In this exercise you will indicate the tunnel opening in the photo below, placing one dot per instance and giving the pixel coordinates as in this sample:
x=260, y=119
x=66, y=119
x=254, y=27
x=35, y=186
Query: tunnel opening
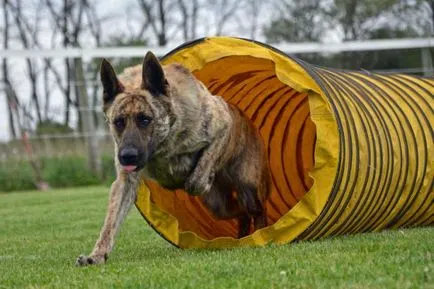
x=281, y=114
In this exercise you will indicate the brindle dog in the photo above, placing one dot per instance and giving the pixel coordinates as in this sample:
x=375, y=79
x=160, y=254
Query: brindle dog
x=168, y=127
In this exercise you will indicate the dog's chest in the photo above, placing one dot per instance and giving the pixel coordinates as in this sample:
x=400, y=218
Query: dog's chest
x=172, y=173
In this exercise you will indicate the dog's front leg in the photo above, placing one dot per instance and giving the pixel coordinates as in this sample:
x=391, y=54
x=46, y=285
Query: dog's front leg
x=201, y=179
x=122, y=196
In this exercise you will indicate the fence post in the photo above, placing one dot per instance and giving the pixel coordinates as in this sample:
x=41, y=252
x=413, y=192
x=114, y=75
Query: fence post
x=427, y=62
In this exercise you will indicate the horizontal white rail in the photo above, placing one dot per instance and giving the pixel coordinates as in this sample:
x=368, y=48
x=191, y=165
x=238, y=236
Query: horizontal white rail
x=368, y=45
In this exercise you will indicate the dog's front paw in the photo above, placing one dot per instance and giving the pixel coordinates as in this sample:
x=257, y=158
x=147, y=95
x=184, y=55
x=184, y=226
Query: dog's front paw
x=197, y=186
x=83, y=260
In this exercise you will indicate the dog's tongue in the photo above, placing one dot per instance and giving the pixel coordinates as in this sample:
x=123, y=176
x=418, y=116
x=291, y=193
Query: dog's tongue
x=129, y=169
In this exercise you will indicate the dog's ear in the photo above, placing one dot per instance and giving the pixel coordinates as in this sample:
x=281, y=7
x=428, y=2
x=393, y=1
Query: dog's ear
x=111, y=85
x=153, y=78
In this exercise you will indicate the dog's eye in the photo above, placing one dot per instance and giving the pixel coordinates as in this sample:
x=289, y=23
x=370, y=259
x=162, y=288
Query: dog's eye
x=143, y=120
x=119, y=123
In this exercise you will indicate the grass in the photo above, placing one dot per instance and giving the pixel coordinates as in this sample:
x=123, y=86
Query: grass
x=41, y=234
x=58, y=172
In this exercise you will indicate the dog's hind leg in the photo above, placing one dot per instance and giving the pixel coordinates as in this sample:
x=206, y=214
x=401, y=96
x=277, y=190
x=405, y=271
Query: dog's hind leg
x=260, y=221
x=244, y=222
x=122, y=196
x=220, y=201
x=250, y=202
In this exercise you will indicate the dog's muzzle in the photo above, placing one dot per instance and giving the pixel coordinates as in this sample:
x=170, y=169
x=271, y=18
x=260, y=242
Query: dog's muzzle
x=130, y=159
x=129, y=156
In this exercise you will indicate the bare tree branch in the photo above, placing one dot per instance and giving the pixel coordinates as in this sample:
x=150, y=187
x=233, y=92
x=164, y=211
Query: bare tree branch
x=184, y=13
x=154, y=18
x=30, y=64
x=226, y=9
x=10, y=94
x=194, y=16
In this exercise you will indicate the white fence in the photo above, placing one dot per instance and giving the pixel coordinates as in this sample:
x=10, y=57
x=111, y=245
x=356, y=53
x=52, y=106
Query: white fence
x=290, y=48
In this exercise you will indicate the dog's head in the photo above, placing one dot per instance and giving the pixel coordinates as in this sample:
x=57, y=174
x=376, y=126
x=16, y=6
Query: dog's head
x=139, y=115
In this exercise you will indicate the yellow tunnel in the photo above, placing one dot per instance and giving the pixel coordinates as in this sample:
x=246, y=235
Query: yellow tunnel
x=349, y=151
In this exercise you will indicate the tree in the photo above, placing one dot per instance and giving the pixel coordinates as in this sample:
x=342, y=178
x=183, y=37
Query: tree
x=155, y=13
x=61, y=23
x=430, y=4
x=75, y=19
x=189, y=14
x=223, y=11
x=254, y=9
x=11, y=98
x=32, y=68
x=298, y=21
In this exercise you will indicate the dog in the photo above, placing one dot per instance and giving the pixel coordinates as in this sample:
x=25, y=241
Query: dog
x=168, y=127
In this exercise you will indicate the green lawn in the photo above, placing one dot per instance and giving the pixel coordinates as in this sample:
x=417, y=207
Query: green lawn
x=41, y=234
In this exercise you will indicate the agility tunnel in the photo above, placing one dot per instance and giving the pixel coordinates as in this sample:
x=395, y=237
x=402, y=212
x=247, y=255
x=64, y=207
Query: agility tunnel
x=349, y=151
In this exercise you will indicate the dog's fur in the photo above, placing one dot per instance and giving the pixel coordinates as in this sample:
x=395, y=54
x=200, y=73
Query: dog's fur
x=168, y=127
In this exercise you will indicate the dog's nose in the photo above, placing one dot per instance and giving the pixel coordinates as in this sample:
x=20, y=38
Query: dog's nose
x=129, y=156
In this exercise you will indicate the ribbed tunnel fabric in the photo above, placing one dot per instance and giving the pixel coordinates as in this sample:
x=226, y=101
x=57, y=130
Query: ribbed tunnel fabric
x=349, y=152
x=385, y=175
